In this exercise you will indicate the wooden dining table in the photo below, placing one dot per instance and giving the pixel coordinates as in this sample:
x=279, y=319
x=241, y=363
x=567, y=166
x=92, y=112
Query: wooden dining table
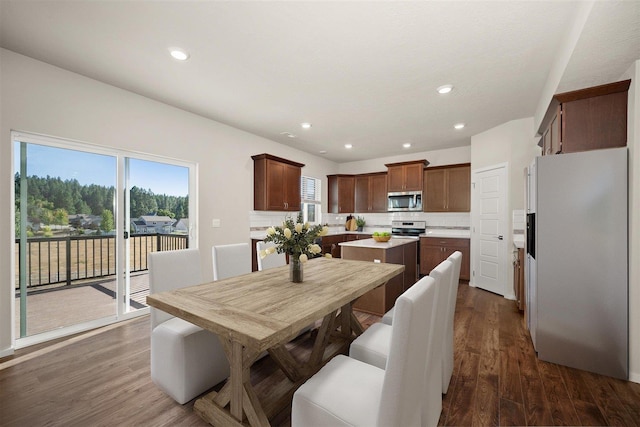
x=263, y=311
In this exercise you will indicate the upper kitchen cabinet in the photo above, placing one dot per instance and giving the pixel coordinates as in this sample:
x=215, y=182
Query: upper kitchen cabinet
x=405, y=176
x=341, y=193
x=586, y=119
x=371, y=192
x=276, y=183
x=447, y=188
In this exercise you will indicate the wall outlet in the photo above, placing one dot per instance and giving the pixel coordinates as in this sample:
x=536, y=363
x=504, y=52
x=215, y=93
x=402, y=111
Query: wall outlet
x=215, y=223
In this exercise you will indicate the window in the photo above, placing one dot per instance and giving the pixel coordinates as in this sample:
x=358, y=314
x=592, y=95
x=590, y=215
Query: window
x=310, y=199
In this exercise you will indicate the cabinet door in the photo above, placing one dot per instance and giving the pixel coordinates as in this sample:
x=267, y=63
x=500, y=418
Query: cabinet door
x=435, y=198
x=275, y=185
x=362, y=198
x=555, y=136
x=458, y=190
x=431, y=254
x=413, y=177
x=395, y=178
x=291, y=188
x=346, y=191
x=378, y=193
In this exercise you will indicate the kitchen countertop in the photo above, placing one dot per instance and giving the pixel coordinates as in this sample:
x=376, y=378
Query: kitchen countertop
x=518, y=241
x=370, y=243
x=446, y=232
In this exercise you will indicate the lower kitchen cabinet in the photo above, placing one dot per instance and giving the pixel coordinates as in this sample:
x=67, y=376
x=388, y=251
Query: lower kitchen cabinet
x=330, y=244
x=404, y=251
x=434, y=250
x=518, y=279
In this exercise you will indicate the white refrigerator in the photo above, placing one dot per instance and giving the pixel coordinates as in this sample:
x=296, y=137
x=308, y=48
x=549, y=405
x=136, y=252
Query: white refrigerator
x=580, y=288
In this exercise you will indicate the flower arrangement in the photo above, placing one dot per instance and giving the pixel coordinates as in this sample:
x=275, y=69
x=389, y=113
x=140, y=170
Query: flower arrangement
x=297, y=240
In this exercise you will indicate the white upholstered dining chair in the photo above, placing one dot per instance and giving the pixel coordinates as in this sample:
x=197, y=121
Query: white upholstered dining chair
x=231, y=260
x=374, y=345
x=447, y=347
x=348, y=392
x=186, y=360
x=270, y=261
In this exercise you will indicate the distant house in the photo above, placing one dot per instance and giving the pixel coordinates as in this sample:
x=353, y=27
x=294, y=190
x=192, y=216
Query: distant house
x=85, y=221
x=181, y=225
x=153, y=224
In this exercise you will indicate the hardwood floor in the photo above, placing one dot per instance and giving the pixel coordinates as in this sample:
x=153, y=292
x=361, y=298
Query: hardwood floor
x=102, y=377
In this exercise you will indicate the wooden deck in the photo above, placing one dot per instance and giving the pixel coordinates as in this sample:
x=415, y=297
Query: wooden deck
x=58, y=307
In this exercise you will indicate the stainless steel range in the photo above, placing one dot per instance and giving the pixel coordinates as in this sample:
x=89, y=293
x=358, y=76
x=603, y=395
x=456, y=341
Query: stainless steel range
x=410, y=229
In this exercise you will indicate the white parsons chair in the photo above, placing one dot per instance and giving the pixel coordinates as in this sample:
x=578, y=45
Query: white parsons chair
x=231, y=260
x=348, y=392
x=270, y=261
x=374, y=345
x=186, y=360
x=447, y=347
x=447, y=359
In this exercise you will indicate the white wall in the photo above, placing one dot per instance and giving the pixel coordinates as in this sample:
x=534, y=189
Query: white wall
x=40, y=98
x=511, y=143
x=633, y=142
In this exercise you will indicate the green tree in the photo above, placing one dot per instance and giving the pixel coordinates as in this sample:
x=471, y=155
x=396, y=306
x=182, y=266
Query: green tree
x=60, y=217
x=166, y=212
x=107, y=221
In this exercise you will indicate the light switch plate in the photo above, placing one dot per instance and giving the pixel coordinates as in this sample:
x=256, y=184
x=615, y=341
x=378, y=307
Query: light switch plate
x=215, y=223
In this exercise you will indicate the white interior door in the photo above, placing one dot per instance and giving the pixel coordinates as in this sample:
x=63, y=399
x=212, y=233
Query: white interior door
x=490, y=240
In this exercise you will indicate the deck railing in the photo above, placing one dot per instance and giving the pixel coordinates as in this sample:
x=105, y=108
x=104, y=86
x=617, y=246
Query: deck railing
x=63, y=260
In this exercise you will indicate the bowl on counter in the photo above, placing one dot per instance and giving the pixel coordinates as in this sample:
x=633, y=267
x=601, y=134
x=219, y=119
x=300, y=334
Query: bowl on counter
x=381, y=238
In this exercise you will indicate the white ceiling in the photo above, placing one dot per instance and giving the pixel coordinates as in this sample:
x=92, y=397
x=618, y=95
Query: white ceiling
x=363, y=73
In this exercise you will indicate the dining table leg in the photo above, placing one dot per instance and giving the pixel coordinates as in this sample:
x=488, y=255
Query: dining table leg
x=237, y=393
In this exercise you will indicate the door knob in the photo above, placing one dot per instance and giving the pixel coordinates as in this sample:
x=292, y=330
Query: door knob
x=500, y=237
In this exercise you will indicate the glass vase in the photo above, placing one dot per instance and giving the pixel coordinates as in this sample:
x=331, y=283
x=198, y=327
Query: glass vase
x=295, y=269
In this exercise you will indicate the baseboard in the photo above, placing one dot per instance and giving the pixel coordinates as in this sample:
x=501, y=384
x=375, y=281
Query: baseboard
x=7, y=352
x=634, y=377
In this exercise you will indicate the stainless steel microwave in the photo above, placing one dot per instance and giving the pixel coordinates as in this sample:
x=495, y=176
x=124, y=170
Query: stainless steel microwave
x=404, y=201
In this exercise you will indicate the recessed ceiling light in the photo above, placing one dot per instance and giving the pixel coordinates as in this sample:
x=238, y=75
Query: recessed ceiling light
x=305, y=125
x=348, y=146
x=323, y=151
x=445, y=89
x=288, y=134
x=458, y=126
x=406, y=145
x=179, y=54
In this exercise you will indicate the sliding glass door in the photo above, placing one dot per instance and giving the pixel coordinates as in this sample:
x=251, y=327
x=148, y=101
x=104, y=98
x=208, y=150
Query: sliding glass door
x=86, y=218
x=157, y=218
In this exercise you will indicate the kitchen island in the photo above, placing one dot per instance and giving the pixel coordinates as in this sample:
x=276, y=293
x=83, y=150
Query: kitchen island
x=398, y=250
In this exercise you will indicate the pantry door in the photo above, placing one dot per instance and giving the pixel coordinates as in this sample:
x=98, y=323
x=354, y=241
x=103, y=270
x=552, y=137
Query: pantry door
x=489, y=239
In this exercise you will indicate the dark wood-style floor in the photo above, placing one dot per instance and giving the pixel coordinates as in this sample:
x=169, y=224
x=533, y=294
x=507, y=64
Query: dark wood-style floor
x=102, y=378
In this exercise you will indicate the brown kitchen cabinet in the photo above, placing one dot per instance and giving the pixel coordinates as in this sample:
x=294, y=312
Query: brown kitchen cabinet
x=380, y=300
x=276, y=183
x=405, y=176
x=447, y=188
x=341, y=193
x=518, y=279
x=331, y=244
x=371, y=193
x=586, y=119
x=434, y=250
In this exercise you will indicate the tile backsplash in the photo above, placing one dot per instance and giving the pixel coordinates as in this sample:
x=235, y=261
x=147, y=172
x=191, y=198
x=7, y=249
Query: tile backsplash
x=260, y=220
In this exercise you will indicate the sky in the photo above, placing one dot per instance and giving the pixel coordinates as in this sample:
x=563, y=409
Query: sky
x=89, y=168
